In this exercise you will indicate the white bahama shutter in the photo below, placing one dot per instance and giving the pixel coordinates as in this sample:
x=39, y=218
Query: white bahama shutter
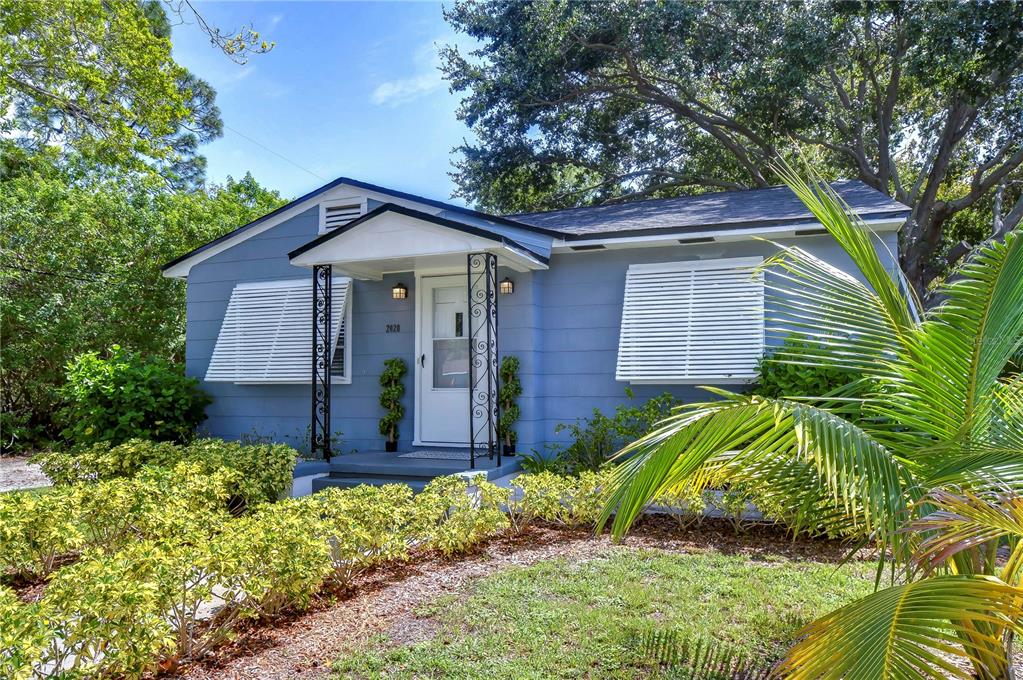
x=267, y=336
x=692, y=322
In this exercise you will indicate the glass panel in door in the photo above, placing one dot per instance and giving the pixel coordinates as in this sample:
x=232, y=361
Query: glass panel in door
x=450, y=338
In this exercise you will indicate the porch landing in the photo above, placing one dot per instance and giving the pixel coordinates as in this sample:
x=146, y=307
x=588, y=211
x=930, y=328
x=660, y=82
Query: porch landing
x=378, y=467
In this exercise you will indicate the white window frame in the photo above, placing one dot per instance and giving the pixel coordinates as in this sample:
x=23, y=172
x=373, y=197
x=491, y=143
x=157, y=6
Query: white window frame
x=346, y=378
x=223, y=374
x=631, y=351
x=361, y=201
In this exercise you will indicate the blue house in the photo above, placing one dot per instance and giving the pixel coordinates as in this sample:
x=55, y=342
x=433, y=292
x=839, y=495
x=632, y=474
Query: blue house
x=291, y=317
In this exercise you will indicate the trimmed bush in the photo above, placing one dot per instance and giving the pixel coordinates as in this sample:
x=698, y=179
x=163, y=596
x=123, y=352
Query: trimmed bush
x=365, y=525
x=775, y=378
x=272, y=560
x=264, y=471
x=24, y=636
x=126, y=397
x=686, y=504
x=571, y=501
x=36, y=530
x=453, y=521
x=107, y=615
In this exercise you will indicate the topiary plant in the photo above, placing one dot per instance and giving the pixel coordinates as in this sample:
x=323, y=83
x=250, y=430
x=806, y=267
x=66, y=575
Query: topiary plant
x=391, y=391
x=510, y=390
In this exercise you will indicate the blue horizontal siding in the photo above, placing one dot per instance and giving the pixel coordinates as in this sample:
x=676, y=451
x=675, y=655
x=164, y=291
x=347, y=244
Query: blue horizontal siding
x=562, y=323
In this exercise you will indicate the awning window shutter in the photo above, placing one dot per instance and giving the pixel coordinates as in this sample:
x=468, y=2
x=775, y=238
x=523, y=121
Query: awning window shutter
x=266, y=336
x=692, y=322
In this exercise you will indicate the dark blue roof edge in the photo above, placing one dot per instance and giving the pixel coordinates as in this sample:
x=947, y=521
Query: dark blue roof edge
x=722, y=226
x=420, y=215
x=369, y=187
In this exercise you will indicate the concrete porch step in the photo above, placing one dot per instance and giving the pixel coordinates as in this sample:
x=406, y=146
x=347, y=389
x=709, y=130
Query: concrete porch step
x=391, y=466
x=345, y=482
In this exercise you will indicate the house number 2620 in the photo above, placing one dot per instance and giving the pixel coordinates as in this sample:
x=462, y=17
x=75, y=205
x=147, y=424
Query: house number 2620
x=392, y=328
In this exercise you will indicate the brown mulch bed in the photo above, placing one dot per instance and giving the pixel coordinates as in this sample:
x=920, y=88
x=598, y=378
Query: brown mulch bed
x=385, y=600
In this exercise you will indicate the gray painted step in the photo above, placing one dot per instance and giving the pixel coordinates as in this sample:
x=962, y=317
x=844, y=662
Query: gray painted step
x=344, y=482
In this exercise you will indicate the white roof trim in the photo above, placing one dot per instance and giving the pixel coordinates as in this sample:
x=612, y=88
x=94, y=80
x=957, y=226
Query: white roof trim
x=396, y=242
x=720, y=235
x=180, y=270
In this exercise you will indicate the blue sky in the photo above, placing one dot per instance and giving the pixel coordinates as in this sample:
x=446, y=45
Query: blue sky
x=351, y=88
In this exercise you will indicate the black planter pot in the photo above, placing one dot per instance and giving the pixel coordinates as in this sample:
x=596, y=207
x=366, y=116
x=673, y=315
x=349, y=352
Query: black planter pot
x=508, y=450
x=390, y=447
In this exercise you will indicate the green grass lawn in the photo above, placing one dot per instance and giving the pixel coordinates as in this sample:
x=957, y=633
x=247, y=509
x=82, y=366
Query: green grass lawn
x=556, y=619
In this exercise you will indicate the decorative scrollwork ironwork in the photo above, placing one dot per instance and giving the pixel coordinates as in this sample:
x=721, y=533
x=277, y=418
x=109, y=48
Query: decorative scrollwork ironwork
x=319, y=431
x=483, y=402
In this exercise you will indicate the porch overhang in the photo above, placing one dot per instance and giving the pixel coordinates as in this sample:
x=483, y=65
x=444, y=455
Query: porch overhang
x=394, y=238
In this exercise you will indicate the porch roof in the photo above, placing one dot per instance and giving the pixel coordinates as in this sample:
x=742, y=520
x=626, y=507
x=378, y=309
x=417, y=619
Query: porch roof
x=393, y=238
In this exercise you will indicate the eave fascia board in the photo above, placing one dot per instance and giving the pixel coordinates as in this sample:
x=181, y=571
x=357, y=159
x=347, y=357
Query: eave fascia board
x=670, y=237
x=179, y=267
x=296, y=256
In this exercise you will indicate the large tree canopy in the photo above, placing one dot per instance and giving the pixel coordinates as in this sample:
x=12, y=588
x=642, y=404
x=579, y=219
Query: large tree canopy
x=80, y=269
x=582, y=102
x=98, y=77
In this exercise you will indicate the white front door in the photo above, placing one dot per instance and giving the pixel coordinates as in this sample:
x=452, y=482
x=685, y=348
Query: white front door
x=442, y=369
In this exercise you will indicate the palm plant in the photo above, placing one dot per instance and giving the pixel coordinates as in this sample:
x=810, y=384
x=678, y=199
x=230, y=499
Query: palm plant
x=937, y=419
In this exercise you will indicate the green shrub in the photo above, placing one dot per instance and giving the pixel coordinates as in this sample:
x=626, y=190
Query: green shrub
x=24, y=636
x=36, y=530
x=106, y=461
x=454, y=521
x=271, y=560
x=108, y=616
x=183, y=503
x=775, y=378
x=365, y=525
x=596, y=438
x=686, y=505
x=568, y=500
x=391, y=391
x=126, y=397
x=508, y=394
x=264, y=471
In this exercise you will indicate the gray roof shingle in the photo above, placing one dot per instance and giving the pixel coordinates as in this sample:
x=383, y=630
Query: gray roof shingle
x=721, y=210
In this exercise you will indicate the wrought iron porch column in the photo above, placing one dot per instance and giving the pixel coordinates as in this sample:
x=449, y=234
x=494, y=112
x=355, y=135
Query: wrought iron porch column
x=484, y=407
x=319, y=430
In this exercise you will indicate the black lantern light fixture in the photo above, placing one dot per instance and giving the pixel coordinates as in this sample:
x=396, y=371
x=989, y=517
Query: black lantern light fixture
x=507, y=286
x=399, y=292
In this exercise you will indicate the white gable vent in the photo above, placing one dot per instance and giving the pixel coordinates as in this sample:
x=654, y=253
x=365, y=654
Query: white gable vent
x=334, y=214
x=267, y=337
x=692, y=322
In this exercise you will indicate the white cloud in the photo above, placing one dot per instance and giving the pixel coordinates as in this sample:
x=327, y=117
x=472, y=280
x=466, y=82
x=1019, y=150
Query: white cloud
x=426, y=79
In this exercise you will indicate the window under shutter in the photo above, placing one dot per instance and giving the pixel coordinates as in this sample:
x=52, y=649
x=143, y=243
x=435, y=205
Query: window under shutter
x=266, y=336
x=691, y=322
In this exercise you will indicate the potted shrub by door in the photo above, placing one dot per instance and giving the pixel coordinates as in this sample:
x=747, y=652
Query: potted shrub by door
x=509, y=391
x=391, y=391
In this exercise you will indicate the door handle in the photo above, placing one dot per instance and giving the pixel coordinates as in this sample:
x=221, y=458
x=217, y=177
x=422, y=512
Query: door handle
x=422, y=360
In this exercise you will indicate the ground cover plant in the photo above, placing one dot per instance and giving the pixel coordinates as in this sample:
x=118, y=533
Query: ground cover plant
x=930, y=470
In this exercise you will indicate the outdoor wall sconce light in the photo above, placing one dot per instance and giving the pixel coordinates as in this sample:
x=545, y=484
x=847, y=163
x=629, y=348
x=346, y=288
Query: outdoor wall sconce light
x=507, y=286
x=399, y=292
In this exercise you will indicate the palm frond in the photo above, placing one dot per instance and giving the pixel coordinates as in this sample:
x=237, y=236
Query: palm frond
x=847, y=324
x=965, y=520
x=857, y=240
x=853, y=471
x=950, y=367
x=909, y=631
x=700, y=658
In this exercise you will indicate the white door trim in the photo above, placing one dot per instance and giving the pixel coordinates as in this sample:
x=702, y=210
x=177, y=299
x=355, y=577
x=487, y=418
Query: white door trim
x=420, y=274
